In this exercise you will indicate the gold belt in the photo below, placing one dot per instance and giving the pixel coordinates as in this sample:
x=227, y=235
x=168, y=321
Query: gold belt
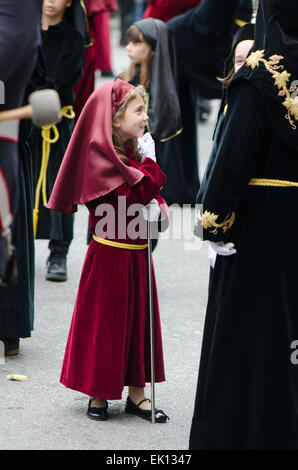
x=272, y=182
x=127, y=246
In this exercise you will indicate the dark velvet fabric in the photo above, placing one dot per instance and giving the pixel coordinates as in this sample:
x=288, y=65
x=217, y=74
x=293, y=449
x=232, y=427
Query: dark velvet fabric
x=17, y=300
x=247, y=385
x=19, y=41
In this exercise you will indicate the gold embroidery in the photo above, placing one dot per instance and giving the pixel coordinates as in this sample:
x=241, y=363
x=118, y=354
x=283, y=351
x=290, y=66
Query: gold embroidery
x=280, y=80
x=209, y=221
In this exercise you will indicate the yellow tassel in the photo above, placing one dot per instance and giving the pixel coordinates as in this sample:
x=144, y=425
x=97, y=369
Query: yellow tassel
x=35, y=220
x=67, y=112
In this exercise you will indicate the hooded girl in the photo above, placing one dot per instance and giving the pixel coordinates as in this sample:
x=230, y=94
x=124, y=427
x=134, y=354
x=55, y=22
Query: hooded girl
x=108, y=345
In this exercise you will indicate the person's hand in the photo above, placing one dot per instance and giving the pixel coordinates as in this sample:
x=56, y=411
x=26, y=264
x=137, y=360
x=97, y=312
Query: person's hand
x=223, y=249
x=146, y=146
x=151, y=212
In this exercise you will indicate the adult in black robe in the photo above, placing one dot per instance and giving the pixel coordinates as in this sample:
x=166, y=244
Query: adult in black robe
x=247, y=388
x=19, y=38
x=59, y=67
x=17, y=300
x=19, y=41
x=203, y=39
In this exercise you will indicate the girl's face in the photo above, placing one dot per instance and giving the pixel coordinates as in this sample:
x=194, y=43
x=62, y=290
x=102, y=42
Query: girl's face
x=241, y=52
x=132, y=123
x=138, y=51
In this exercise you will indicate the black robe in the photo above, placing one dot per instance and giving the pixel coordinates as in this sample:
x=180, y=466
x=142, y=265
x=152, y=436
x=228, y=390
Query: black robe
x=17, y=300
x=60, y=66
x=247, y=393
x=19, y=39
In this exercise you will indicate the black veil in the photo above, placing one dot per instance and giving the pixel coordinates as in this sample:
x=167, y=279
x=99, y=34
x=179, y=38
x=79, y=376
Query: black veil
x=164, y=108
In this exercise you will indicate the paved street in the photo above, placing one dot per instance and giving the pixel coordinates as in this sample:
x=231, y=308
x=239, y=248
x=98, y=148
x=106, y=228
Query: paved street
x=42, y=414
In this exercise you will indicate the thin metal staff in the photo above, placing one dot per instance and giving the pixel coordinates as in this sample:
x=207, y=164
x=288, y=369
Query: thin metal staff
x=151, y=322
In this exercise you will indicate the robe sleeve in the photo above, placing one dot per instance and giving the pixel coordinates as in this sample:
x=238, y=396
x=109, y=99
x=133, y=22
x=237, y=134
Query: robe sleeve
x=147, y=189
x=235, y=163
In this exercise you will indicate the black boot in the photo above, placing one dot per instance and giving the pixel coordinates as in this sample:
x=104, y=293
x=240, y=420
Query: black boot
x=56, y=268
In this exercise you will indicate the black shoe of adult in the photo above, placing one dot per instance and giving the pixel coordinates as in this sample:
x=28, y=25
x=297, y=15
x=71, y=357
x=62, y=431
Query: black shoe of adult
x=56, y=268
x=134, y=409
x=11, y=346
x=99, y=414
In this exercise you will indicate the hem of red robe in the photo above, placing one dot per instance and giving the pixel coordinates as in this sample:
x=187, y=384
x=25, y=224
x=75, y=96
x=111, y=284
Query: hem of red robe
x=117, y=395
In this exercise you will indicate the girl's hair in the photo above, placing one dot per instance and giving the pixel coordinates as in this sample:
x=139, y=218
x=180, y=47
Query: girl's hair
x=133, y=143
x=134, y=35
x=226, y=80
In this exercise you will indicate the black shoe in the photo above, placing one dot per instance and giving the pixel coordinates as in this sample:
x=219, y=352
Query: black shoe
x=11, y=346
x=56, y=271
x=132, y=408
x=99, y=414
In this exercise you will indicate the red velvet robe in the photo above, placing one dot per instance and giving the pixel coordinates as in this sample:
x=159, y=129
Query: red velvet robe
x=165, y=10
x=108, y=345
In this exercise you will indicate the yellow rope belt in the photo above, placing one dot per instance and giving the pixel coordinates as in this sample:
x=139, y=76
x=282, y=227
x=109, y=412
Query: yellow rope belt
x=272, y=182
x=127, y=246
x=67, y=112
x=240, y=22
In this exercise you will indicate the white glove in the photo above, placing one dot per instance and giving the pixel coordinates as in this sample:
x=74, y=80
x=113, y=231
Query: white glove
x=223, y=249
x=211, y=255
x=151, y=211
x=146, y=146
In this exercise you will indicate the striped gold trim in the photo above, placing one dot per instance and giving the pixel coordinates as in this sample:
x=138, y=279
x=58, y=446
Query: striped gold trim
x=272, y=182
x=126, y=246
x=148, y=125
x=83, y=6
x=173, y=135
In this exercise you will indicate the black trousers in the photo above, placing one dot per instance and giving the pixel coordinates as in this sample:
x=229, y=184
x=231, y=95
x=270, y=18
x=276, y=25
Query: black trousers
x=59, y=247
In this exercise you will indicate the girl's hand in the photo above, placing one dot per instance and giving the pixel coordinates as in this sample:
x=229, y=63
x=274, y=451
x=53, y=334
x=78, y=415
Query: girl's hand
x=151, y=212
x=146, y=146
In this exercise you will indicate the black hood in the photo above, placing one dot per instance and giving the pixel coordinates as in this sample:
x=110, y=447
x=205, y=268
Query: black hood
x=272, y=66
x=164, y=108
x=244, y=33
x=76, y=16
